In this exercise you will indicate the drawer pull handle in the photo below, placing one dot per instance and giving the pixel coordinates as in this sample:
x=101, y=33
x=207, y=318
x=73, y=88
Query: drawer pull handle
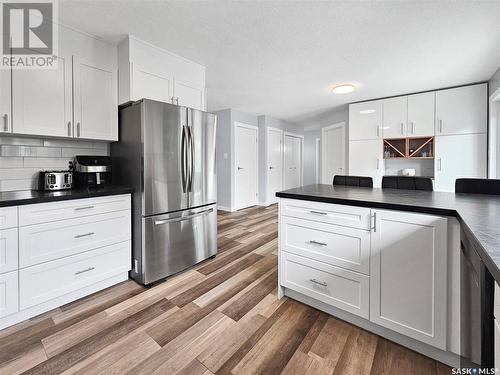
x=322, y=283
x=85, y=270
x=84, y=235
x=84, y=208
x=317, y=212
x=318, y=243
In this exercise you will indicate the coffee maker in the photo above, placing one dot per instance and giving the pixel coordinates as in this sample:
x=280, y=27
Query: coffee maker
x=92, y=171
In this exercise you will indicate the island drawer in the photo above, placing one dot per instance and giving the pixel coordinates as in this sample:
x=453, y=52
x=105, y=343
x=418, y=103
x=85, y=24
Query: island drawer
x=348, y=216
x=333, y=244
x=346, y=290
x=70, y=209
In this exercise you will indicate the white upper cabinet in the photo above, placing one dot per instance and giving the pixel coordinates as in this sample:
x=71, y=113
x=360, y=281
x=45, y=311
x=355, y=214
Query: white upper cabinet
x=462, y=110
x=365, y=120
x=42, y=100
x=395, y=116
x=95, y=98
x=5, y=102
x=149, y=85
x=146, y=71
x=421, y=114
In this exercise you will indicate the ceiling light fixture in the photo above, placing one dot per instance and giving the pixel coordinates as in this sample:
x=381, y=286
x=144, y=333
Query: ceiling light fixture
x=343, y=89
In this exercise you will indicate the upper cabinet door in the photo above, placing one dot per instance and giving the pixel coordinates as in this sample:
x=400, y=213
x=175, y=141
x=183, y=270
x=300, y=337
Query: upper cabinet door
x=395, y=116
x=149, y=85
x=189, y=95
x=462, y=110
x=365, y=120
x=41, y=100
x=96, y=100
x=421, y=114
x=5, y=102
x=365, y=159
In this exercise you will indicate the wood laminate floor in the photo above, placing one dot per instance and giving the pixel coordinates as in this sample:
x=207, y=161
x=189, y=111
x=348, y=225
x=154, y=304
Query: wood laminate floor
x=221, y=317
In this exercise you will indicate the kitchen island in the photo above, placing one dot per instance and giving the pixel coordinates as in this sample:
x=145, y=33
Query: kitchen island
x=386, y=260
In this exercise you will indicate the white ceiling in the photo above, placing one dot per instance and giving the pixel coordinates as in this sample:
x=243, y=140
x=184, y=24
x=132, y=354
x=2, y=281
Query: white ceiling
x=281, y=58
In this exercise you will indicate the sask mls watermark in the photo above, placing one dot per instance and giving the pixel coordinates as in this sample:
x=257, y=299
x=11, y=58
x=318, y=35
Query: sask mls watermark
x=29, y=34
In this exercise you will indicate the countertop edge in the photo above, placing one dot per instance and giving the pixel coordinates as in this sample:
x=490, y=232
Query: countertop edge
x=70, y=195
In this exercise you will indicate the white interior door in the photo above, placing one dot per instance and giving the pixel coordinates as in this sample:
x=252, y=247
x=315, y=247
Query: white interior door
x=293, y=161
x=274, y=163
x=333, y=152
x=245, y=169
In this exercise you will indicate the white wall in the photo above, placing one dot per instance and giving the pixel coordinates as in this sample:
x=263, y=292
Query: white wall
x=21, y=158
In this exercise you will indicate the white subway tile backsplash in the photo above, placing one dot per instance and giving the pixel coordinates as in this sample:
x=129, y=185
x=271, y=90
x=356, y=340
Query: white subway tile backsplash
x=21, y=141
x=21, y=158
x=9, y=162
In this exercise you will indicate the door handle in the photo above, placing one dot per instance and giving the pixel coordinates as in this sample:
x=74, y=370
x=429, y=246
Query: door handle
x=271, y=167
x=78, y=129
x=378, y=163
x=378, y=131
x=439, y=164
x=69, y=128
x=84, y=208
x=440, y=126
x=183, y=158
x=6, y=122
x=374, y=222
x=182, y=218
x=412, y=125
x=84, y=235
x=318, y=213
x=240, y=168
x=191, y=152
x=402, y=130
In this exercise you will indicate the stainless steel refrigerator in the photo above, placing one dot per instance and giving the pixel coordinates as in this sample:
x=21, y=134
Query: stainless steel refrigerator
x=167, y=154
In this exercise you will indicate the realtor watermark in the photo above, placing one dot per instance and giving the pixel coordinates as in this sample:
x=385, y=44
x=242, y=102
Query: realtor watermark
x=29, y=34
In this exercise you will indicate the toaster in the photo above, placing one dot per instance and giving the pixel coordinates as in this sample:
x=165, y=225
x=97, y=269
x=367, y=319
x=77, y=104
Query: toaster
x=55, y=180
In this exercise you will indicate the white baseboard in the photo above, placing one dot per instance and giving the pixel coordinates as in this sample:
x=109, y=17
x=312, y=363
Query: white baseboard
x=226, y=209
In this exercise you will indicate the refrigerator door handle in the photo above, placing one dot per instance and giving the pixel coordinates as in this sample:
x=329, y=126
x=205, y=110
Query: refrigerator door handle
x=183, y=158
x=191, y=156
x=182, y=218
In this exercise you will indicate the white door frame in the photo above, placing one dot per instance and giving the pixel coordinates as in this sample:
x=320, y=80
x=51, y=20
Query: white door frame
x=494, y=136
x=301, y=138
x=234, y=166
x=270, y=199
x=317, y=143
x=323, y=149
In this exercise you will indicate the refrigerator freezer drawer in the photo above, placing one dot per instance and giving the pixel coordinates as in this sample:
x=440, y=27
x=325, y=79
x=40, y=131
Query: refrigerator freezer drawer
x=176, y=241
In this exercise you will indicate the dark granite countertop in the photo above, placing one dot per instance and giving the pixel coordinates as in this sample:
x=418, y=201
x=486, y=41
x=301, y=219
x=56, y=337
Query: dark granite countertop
x=478, y=214
x=17, y=198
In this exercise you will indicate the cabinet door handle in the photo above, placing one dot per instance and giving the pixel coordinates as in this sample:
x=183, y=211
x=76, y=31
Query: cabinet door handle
x=317, y=213
x=374, y=222
x=78, y=129
x=84, y=235
x=313, y=242
x=440, y=126
x=378, y=163
x=378, y=131
x=402, y=130
x=85, y=270
x=322, y=283
x=439, y=164
x=177, y=100
x=84, y=208
x=6, y=122
x=69, y=128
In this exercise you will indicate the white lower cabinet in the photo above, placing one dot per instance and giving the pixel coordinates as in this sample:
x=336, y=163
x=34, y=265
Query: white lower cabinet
x=58, y=252
x=46, y=281
x=408, y=275
x=8, y=294
x=335, y=286
x=393, y=273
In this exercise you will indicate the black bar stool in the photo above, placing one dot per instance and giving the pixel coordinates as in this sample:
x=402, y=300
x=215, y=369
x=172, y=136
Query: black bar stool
x=477, y=186
x=407, y=183
x=353, y=181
